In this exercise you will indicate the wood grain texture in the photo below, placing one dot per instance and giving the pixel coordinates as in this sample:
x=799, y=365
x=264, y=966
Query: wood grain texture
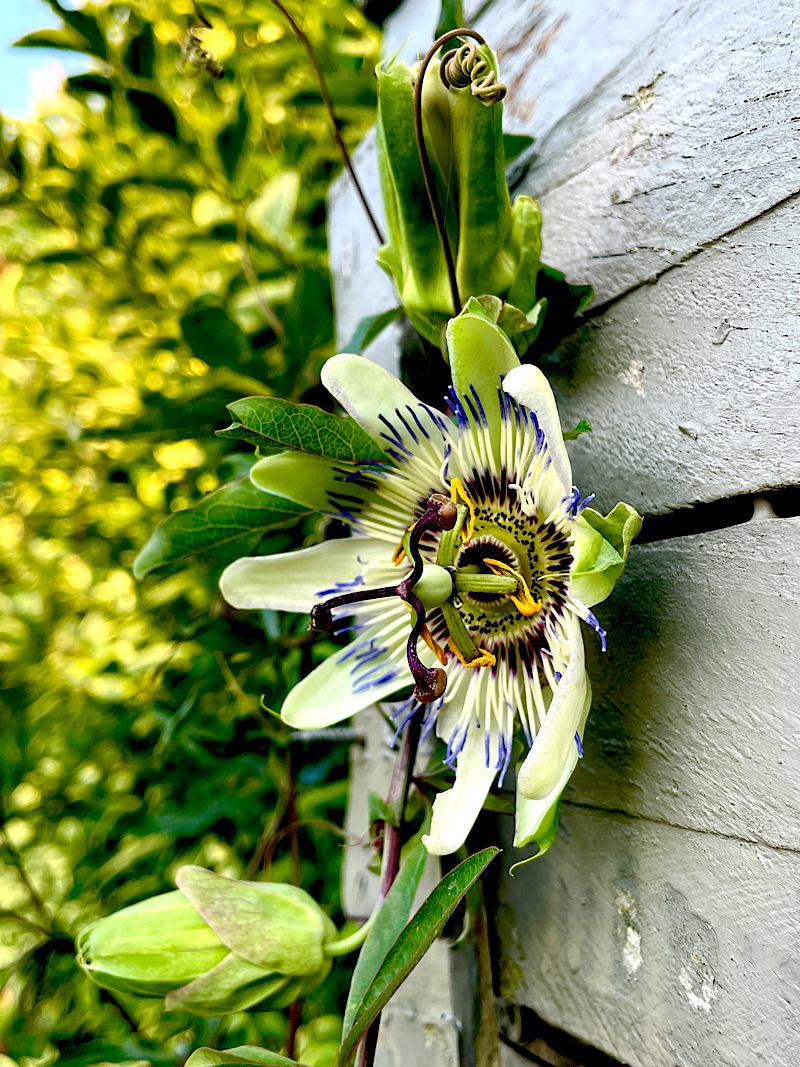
x=360, y=287
x=421, y=1023
x=661, y=946
x=694, y=134
x=691, y=385
x=694, y=718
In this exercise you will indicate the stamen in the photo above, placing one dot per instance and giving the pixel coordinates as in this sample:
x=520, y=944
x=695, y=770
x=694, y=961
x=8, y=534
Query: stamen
x=486, y=659
x=457, y=490
x=522, y=598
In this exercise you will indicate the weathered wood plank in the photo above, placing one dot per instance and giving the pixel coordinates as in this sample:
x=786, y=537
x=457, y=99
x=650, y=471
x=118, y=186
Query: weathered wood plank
x=360, y=287
x=658, y=945
x=691, y=385
x=695, y=134
x=543, y=54
x=421, y=1022
x=694, y=718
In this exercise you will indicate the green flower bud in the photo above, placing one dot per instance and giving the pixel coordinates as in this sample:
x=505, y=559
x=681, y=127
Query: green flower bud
x=214, y=946
x=496, y=247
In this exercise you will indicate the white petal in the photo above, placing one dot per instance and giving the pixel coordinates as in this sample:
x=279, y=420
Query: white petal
x=295, y=581
x=371, y=395
x=337, y=689
x=308, y=480
x=531, y=814
x=553, y=755
x=528, y=386
x=455, y=811
x=480, y=355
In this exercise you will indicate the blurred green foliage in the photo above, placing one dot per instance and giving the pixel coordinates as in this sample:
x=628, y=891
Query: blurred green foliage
x=163, y=237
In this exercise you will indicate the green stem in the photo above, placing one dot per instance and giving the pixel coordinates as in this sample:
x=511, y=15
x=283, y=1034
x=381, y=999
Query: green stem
x=352, y=942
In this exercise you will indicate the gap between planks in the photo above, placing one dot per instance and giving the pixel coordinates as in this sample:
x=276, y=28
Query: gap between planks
x=681, y=826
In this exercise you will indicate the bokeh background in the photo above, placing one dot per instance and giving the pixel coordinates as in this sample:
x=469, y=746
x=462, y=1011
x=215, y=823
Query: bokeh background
x=162, y=253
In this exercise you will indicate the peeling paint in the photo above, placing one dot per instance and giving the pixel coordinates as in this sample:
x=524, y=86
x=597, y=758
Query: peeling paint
x=632, y=948
x=701, y=1001
x=634, y=376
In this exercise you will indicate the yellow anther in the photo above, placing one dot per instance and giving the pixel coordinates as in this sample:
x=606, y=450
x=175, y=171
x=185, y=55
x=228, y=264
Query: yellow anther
x=486, y=659
x=431, y=642
x=521, y=598
x=457, y=490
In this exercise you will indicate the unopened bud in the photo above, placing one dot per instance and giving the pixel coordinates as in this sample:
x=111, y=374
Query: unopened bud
x=212, y=947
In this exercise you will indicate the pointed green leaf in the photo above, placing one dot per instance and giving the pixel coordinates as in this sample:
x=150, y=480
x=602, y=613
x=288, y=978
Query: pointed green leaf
x=271, y=214
x=231, y=140
x=211, y=1057
x=153, y=113
x=214, y=337
x=227, y=524
x=389, y=921
x=451, y=17
x=140, y=55
x=271, y=422
x=369, y=328
x=573, y=435
x=514, y=144
x=379, y=811
x=63, y=40
x=88, y=83
x=411, y=944
x=84, y=24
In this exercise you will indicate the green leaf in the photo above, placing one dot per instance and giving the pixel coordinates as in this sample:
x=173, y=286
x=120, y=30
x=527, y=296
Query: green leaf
x=271, y=214
x=211, y=1057
x=266, y=420
x=140, y=56
x=227, y=523
x=451, y=17
x=379, y=811
x=308, y=318
x=573, y=435
x=369, y=328
x=84, y=24
x=63, y=40
x=410, y=946
x=514, y=144
x=153, y=113
x=214, y=337
x=88, y=83
x=231, y=140
x=390, y=920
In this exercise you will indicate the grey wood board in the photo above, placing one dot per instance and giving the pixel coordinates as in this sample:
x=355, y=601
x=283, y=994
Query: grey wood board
x=691, y=385
x=660, y=946
x=543, y=55
x=360, y=286
x=421, y=1022
x=694, y=717
x=696, y=133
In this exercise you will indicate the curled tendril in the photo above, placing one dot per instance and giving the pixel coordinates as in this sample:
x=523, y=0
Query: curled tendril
x=465, y=67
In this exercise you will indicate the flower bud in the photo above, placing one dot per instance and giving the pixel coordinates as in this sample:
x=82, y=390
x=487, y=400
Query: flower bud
x=496, y=247
x=212, y=947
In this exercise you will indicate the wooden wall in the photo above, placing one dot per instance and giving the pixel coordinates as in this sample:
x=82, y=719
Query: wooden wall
x=663, y=928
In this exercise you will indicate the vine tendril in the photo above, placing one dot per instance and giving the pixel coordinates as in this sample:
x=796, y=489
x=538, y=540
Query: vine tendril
x=427, y=170
x=465, y=67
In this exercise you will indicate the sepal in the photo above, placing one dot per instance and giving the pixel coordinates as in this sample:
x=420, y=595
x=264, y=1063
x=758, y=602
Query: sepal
x=601, y=549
